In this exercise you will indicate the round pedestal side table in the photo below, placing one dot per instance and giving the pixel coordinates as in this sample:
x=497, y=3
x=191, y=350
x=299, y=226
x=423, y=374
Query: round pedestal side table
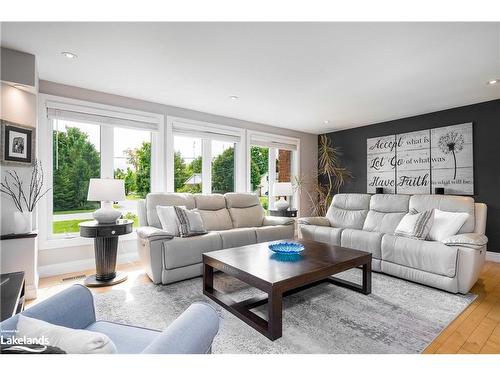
x=105, y=246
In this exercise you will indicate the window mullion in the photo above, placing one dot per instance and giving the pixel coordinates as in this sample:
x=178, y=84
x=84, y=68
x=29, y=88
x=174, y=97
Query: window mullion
x=107, y=149
x=273, y=154
x=206, y=166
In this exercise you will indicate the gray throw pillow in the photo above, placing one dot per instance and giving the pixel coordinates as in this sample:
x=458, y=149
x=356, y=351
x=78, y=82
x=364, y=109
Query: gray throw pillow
x=415, y=224
x=190, y=222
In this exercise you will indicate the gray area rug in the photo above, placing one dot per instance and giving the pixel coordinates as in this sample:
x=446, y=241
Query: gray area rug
x=398, y=317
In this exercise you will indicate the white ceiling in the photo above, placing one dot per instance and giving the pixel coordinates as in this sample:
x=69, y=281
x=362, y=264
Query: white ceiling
x=292, y=75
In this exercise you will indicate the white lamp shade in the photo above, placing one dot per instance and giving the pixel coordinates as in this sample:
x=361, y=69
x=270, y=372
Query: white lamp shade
x=106, y=189
x=282, y=189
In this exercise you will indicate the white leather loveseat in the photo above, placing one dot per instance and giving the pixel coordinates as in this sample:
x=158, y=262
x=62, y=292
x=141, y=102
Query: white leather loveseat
x=232, y=220
x=367, y=222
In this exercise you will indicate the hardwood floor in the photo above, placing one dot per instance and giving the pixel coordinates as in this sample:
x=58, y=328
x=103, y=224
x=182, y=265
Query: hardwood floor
x=476, y=330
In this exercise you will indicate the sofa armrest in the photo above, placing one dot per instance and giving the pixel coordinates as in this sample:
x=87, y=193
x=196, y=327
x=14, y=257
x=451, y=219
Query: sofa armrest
x=191, y=333
x=153, y=233
x=71, y=308
x=277, y=220
x=317, y=220
x=471, y=240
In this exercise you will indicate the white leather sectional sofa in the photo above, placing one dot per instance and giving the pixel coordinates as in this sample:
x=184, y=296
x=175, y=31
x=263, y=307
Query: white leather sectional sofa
x=232, y=220
x=367, y=222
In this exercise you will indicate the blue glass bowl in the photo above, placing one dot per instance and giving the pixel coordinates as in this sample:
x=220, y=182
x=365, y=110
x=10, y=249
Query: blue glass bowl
x=286, y=247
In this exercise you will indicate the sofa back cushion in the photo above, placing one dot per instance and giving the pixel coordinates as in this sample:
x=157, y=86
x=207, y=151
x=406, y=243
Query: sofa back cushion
x=245, y=209
x=386, y=212
x=450, y=203
x=213, y=211
x=165, y=199
x=348, y=210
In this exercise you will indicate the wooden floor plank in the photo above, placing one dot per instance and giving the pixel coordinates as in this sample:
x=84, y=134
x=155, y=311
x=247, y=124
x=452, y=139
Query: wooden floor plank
x=481, y=334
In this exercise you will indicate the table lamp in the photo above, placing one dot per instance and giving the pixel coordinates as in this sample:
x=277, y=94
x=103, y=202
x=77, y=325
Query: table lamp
x=282, y=189
x=106, y=190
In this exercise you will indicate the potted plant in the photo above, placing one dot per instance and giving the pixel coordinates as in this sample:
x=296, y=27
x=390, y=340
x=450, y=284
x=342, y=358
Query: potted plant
x=25, y=201
x=329, y=179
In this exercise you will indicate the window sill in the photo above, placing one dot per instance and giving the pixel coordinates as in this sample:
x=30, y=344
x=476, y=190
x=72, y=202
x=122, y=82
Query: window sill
x=61, y=241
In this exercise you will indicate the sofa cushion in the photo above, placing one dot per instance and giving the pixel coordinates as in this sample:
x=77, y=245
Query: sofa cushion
x=320, y=233
x=340, y=218
x=386, y=211
x=351, y=201
x=382, y=222
x=211, y=202
x=241, y=200
x=245, y=210
x=348, y=210
x=127, y=339
x=430, y=256
x=247, y=217
x=362, y=240
x=275, y=232
x=180, y=252
x=216, y=219
x=390, y=202
x=450, y=203
x=165, y=199
x=238, y=237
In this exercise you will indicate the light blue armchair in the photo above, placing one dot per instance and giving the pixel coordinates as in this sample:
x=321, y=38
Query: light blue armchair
x=191, y=333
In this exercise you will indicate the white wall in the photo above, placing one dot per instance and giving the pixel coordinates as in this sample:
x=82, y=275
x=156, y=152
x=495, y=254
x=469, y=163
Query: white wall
x=17, y=106
x=76, y=258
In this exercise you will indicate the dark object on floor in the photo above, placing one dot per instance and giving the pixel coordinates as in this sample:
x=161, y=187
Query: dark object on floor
x=105, y=246
x=12, y=289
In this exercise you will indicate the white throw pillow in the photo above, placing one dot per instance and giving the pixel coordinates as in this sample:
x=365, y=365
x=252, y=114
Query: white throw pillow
x=446, y=224
x=72, y=341
x=415, y=225
x=168, y=219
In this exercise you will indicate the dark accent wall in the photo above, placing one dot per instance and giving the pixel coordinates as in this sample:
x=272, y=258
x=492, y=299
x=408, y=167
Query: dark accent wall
x=486, y=133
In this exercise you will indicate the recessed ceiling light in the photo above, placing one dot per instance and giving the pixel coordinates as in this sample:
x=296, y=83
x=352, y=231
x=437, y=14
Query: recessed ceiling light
x=493, y=81
x=326, y=122
x=69, y=55
x=234, y=97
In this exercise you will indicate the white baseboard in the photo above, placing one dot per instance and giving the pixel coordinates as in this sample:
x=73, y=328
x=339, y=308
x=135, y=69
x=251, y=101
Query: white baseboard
x=81, y=265
x=493, y=257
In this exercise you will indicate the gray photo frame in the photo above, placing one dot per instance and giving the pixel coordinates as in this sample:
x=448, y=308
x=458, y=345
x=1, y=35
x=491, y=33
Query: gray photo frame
x=18, y=144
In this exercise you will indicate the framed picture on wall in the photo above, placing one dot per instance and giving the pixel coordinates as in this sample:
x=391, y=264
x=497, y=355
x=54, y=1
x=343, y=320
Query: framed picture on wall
x=18, y=144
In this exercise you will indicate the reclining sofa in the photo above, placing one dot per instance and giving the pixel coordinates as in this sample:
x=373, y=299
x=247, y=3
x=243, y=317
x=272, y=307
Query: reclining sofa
x=367, y=222
x=232, y=220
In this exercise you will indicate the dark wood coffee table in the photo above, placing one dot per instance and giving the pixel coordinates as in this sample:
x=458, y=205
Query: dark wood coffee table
x=259, y=267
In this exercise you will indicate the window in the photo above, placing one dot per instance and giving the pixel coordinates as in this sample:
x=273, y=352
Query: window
x=272, y=159
x=82, y=140
x=222, y=167
x=132, y=163
x=259, y=173
x=76, y=159
x=205, y=157
x=187, y=165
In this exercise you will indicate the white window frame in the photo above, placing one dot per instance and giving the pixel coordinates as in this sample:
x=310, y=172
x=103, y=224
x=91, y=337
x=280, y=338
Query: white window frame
x=273, y=157
x=207, y=132
x=48, y=240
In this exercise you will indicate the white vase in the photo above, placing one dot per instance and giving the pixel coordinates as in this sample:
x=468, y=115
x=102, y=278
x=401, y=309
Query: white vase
x=23, y=222
x=281, y=204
